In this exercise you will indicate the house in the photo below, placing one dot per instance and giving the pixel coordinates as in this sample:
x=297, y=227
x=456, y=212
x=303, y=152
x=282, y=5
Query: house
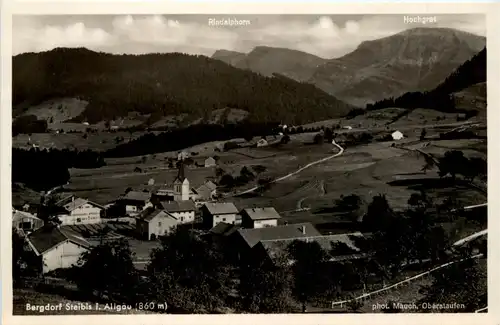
x=262, y=143
x=56, y=248
x=206, y=192
x=223, y=229
x=210, y=162
x=397, y=135
x=339, y=247
x=152, y=223
x=182, y=155
x=135, y=202
x=251, y=237
x=25, y=221
x=77, y=211
x=259, y=217
x=222, y=235
x=184, y=211
x=214, y=213
x=243, y=241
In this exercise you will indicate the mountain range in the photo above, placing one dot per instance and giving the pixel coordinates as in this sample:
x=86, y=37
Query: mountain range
x=271, y=84
x=417, y=59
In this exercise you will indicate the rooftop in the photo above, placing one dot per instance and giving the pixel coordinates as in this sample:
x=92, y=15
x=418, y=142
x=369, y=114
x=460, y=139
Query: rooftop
x=265, y=213
x=151, y=213
x=221, y=208
x=72, y=202
x=137, y=196
x=286, y=232
x=178, y=206
x=21, y=214
x=48, y=237
x=339, y=247
x=223, y=229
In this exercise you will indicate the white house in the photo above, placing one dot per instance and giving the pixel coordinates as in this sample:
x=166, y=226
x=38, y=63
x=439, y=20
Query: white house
x=152, y=223
x=56, y=248
x=214, y=213
x=262, y=143
x=210, y=162
x=25, y=221
x=259, y=217
x=183, y=211
x=182, y=155
x=77, y=211
x=397, y=135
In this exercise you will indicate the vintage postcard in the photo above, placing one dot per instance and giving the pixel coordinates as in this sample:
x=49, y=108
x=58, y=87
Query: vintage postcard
x=327, y=163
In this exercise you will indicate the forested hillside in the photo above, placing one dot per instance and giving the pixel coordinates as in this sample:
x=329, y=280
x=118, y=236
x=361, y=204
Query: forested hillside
x=161, y=85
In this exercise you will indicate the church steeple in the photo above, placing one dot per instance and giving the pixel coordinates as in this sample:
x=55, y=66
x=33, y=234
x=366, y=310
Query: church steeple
x=181, y=176
x=181, y=185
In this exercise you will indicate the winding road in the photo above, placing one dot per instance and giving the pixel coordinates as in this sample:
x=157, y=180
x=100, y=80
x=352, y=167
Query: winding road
x=253, y=189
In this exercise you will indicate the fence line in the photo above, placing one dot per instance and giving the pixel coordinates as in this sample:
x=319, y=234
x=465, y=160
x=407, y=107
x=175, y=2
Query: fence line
x=418, y=276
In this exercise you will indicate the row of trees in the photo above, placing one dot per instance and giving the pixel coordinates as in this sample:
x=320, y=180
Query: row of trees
x=28, y=124
x=182, y=138
x=43, y=169
x=454, y=163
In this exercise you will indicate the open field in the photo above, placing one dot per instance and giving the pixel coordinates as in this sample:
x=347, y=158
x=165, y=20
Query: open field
x=365, y=170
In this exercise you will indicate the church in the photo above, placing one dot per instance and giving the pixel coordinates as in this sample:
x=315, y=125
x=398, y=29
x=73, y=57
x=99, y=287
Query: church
x=181, y=190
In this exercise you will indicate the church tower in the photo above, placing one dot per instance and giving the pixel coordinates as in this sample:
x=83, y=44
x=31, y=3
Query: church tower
x=181, y=185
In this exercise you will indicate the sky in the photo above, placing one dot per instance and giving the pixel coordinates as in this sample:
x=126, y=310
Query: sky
x=325, y=36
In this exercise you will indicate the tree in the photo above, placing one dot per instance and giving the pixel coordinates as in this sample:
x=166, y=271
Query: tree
x=349, y=203
x=219, y=171
x=264, y=184
x=24, y=261
x=266, y=287
x=379, y=214
x=423, y=133
x=318, y=138
x=453, y=163
x=227, y=180
x=311, y=274
x=189, y=274
x=462, y=282
x=328, y=134
x=419, y=200
x=476, y=167
x=259, y=169
x=285, y=139
x=246, y=174
x=107, y=269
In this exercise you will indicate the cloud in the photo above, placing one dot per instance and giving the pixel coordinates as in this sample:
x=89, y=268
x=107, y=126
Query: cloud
x=324, y=36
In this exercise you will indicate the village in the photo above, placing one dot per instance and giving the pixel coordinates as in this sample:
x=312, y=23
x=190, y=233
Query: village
x=80, y=223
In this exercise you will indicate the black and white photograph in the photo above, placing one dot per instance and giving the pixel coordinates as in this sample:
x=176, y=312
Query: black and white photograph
x=249, y=164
